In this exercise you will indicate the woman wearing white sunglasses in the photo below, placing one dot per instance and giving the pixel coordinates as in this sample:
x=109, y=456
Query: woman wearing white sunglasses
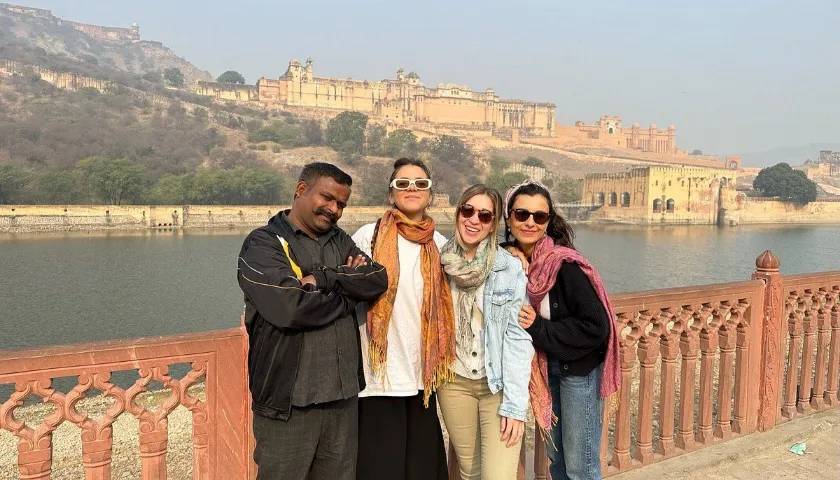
x=408, y=339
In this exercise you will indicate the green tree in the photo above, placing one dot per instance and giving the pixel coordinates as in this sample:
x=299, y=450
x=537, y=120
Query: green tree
x=503, y=181
x=498, y=164
x=279, y=132
x=566, y=189
x=174, y=77
x=231, y=76
x=12, y=180
x=782, y=181
x=451, y=150
x=346, y=132
x=451, y=161
x=312, y=132
x=401, y=143
x=57, y=187
x=375, y=139
x=171, y=190
x=533, y=162
x=153, y=77
x=113, y=181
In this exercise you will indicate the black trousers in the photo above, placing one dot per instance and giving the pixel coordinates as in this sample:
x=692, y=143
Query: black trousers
x=317, y=443
x=399, y=439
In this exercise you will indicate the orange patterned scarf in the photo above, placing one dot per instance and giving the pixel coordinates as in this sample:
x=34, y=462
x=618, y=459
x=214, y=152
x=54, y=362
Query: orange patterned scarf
x=436, y=317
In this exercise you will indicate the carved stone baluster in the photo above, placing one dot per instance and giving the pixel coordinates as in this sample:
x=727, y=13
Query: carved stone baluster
x=201, y=425
x=669, y=347
x=743, y=375
x=648, y=354
x=153, y=424
x=621, y=455
x=803, y=403
x=795, y=320
x=831, y=398
x=823, y=313
x=727, y=339
x=34, y=445
x=97, y=435
x=689, y=348
x=708, y=353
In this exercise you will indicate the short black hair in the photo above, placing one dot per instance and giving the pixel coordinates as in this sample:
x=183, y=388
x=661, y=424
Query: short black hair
x=312, y=171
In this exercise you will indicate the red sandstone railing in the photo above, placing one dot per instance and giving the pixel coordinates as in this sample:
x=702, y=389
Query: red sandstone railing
x=699, y=365
x=220, y=421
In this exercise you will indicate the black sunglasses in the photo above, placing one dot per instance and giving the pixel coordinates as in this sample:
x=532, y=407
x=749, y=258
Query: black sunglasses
x=521, y=215
x=484, y=216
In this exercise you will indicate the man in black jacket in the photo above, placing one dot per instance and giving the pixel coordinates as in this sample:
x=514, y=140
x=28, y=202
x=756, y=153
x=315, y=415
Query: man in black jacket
x=302, y=276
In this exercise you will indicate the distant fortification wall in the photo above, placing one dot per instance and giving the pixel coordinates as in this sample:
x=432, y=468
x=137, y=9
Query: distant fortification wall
x=63, y=80
x=750, y=210
x=47, y=218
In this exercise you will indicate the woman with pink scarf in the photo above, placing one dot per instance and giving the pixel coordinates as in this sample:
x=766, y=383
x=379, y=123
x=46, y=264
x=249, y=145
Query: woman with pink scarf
x=573, y=329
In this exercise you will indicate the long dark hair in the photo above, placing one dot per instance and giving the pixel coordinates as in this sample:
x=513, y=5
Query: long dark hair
x=558, y=229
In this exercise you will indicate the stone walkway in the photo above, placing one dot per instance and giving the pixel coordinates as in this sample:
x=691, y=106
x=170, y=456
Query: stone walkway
x=763, y=456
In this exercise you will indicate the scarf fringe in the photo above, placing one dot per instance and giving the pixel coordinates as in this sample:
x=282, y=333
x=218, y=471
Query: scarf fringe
x=377, y=355
x=441, y=375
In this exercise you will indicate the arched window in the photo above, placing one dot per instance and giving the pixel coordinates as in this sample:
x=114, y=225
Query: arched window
x=625, y=199
x=610, y=130
x=599, y=198
x=669, y=205
x=657, y=205
x=613, y=199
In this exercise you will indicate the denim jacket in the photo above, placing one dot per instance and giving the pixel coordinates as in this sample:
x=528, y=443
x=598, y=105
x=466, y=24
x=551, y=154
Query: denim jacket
x=507, y=346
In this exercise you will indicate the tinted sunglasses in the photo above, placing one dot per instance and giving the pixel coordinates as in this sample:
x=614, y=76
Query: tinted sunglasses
x=484, y=216
x=406, y=183
x=521, y=215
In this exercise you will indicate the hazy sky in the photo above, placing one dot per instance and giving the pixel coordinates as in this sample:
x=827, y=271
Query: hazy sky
x=732, y=76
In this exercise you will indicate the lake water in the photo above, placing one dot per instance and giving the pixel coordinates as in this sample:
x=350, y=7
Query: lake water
x=71, y=287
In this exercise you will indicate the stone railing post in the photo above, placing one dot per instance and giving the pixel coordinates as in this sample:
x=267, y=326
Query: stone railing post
x=772, y=368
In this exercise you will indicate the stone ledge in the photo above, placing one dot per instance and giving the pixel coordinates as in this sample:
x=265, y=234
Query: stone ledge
x=739, y=450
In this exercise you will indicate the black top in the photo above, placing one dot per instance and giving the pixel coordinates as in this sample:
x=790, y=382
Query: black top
x=576, y=335
x=303, y=340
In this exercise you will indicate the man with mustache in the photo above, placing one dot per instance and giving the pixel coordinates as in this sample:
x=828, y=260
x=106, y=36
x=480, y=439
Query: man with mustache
x=302, y=277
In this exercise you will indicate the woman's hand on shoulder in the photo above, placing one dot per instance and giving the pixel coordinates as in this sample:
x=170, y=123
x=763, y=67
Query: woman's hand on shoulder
x=516, y=252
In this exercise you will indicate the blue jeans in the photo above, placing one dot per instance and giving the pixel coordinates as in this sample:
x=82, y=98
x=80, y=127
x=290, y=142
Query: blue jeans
x=577, y=436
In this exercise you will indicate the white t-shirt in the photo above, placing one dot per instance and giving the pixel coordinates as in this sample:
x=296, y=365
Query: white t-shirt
x=545, y=308
x=404, y=368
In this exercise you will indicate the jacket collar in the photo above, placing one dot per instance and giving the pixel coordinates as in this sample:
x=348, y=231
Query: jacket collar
x=502, y=259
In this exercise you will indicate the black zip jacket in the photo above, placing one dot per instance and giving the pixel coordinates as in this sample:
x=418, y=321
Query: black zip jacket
x=576, y=335
x=279, y=309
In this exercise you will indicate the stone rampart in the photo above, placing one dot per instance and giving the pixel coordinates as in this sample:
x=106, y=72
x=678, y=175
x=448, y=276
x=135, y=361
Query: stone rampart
x=46, y=218
x=751, y=210
x=63, y=80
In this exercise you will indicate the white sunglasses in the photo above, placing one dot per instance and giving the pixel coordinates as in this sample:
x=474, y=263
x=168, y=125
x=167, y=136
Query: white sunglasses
x=406, y=183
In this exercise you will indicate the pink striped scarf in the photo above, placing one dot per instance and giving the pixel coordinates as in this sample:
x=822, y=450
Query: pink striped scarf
x=546, y=260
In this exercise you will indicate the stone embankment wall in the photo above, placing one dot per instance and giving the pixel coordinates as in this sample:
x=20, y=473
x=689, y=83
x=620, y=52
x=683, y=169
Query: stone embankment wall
x=45, y=218
x=747, y=210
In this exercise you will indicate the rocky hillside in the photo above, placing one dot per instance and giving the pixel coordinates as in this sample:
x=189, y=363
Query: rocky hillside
x=40, y=38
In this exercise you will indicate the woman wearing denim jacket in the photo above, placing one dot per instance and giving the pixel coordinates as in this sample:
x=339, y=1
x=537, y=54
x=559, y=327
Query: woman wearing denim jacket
x=485, y=405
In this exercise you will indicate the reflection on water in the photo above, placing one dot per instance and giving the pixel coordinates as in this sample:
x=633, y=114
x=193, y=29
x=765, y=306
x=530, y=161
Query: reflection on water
x=84, y=286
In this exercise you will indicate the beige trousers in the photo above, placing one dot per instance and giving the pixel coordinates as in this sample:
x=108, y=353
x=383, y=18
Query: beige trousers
x=471, y=415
